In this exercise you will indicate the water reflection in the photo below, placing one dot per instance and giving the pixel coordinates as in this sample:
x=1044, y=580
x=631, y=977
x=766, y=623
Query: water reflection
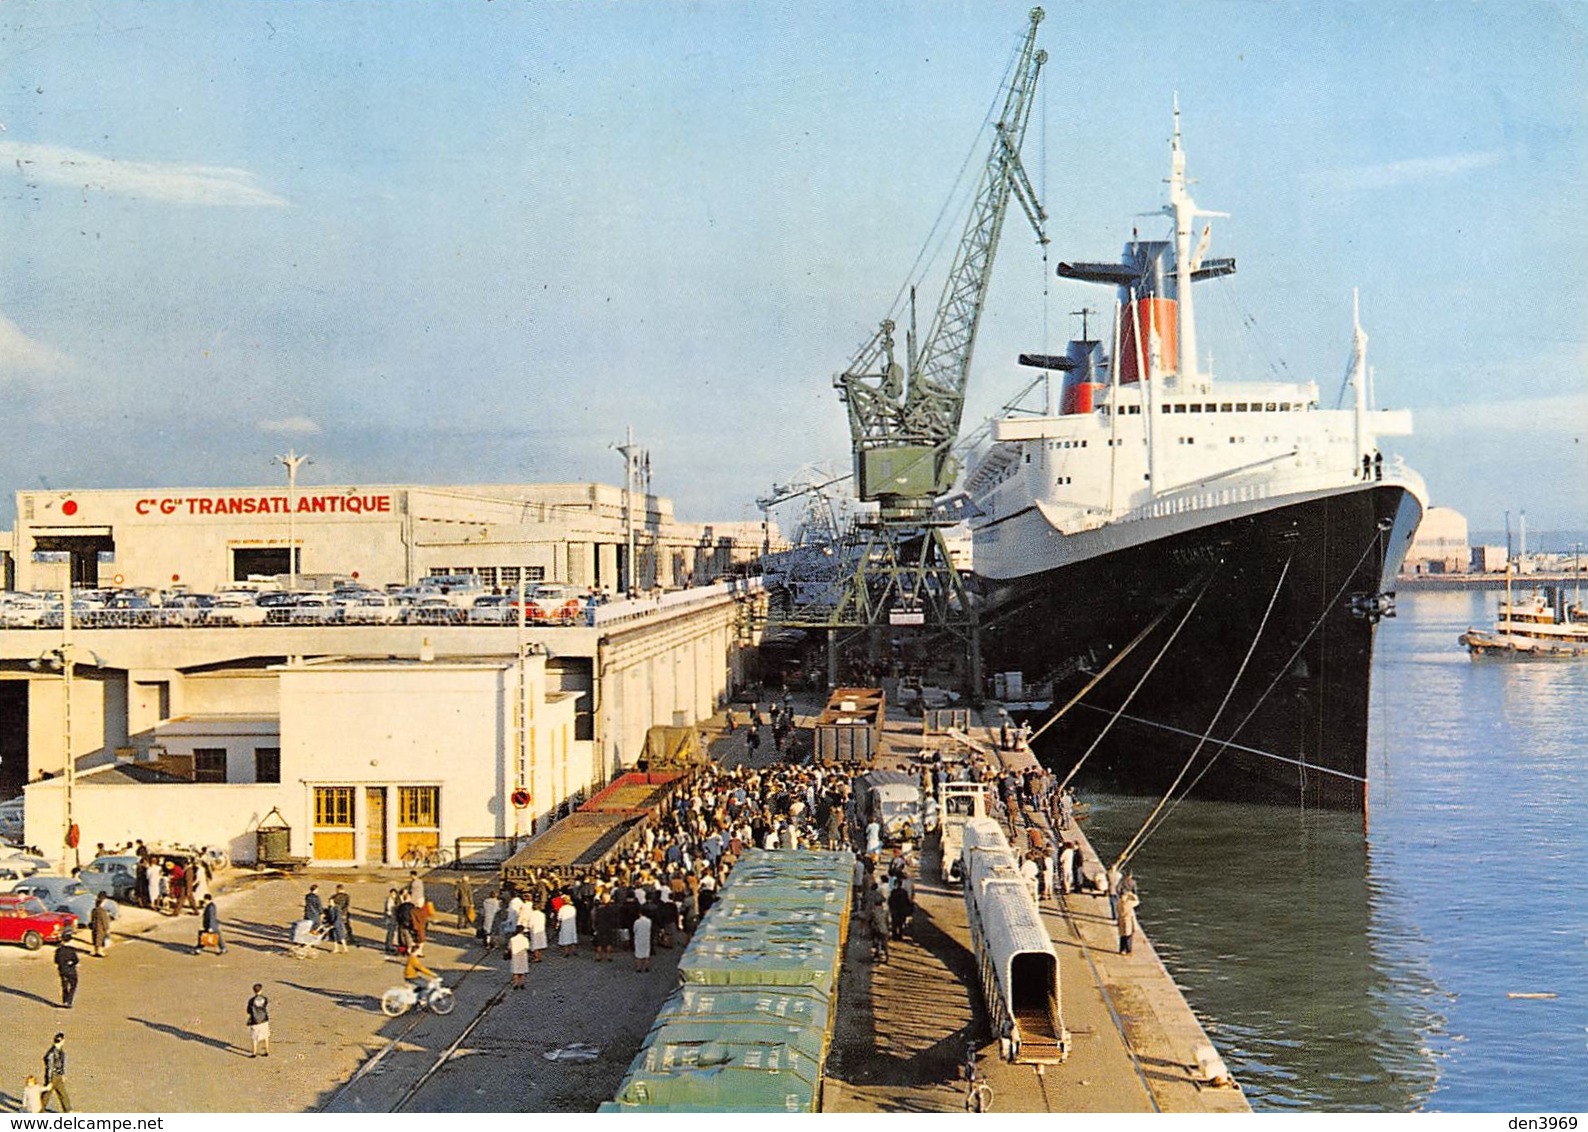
x=1339, y=969
x=1289, y=950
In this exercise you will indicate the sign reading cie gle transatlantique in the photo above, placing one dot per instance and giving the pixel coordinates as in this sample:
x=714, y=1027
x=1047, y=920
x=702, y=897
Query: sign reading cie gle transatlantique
x=200, y=505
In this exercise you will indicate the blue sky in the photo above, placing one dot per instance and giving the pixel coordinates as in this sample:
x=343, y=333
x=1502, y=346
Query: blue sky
x=472, y=242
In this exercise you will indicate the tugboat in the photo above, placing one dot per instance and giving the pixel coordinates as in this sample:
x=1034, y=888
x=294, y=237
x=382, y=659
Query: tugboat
x=1540, y=626
x=1198, y=564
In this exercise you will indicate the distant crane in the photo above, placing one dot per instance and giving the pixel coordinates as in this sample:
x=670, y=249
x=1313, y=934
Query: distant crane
x=904, y=419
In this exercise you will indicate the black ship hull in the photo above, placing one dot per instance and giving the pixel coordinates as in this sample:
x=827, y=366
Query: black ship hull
x=1282, y=614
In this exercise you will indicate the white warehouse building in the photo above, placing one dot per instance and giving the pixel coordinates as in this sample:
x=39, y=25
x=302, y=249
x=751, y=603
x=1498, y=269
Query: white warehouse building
x=202, y=539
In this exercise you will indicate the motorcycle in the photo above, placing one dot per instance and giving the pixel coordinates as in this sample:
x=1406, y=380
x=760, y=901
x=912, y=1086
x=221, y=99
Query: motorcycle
x=433, y=997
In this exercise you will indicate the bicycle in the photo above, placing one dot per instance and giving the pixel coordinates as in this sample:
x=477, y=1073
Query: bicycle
x=433, y=997
x=978, y=1093
x=421, y=857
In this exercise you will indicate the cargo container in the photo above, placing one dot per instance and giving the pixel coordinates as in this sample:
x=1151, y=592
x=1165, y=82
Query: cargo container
x=849, y=729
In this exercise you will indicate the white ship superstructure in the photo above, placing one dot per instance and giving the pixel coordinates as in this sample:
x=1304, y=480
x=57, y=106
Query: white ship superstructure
x=1145, y=475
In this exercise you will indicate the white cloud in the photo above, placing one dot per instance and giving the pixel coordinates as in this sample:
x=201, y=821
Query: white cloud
x=152, y=180
x=290, y=426
x=1392, y=174
x=20, y=354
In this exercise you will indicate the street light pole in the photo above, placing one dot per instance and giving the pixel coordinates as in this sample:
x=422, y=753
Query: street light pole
x=292, y=462
x=67, y=664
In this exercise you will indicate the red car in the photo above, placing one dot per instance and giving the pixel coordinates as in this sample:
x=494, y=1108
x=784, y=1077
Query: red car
x=25, y=920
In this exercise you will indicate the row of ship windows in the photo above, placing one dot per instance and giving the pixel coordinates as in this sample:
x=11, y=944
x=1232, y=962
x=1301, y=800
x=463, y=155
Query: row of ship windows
x=1217, y=407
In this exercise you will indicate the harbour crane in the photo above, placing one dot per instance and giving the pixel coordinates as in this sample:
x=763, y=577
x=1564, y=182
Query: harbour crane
x=904, y=418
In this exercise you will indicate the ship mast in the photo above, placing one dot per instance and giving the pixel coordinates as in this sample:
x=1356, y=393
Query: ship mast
x=1359, y=377
x=1183, y=210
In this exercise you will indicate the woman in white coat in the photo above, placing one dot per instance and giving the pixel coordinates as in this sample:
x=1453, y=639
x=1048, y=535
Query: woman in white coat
x=535, y=918
x=642, y=943
x=567, y=927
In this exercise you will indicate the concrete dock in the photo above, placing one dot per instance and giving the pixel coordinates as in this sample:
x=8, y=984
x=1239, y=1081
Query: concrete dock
x=899, y=1044
x=904, y=1026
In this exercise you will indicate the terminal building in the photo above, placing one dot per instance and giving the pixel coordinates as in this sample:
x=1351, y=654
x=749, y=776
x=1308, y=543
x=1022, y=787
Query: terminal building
x=203, y=539
x=365, y=740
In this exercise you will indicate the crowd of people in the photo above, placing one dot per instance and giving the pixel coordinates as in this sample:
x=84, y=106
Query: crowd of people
x=655, y=892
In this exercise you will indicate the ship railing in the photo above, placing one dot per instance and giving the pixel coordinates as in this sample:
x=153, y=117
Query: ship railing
x=1192, y=500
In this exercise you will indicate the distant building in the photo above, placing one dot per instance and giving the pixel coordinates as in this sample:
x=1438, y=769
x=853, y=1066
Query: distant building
x=1441, y=544
x=1488, y=559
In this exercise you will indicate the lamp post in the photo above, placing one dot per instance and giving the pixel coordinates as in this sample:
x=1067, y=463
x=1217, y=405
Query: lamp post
x=292, y=462
x=68, y=663
x=630, y=464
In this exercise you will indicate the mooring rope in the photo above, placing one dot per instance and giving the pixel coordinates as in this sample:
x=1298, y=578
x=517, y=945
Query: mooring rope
x=1107, y=668
x=1145, y=832
x=1143, y=679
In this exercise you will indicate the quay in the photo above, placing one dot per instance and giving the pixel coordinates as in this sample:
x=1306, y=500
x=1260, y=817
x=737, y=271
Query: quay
x=903, y=1026
x=899, y=1040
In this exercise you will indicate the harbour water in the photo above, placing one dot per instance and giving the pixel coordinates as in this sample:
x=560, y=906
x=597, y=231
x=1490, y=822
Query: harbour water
x=1342, y=967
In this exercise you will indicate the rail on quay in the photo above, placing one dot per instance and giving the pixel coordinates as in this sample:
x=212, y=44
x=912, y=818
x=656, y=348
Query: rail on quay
x=904, y=1026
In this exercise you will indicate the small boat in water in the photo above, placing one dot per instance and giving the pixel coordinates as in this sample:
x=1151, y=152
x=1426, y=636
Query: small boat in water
x=1540, y=626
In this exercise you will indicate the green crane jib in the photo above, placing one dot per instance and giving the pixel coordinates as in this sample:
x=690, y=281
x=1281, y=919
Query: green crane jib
x=903, y=423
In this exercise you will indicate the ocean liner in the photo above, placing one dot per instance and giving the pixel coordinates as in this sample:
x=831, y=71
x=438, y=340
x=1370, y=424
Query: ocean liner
x=1198, y=564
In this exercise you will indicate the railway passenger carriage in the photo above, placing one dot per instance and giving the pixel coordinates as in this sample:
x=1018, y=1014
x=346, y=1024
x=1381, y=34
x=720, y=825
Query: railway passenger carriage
x=1015, y=958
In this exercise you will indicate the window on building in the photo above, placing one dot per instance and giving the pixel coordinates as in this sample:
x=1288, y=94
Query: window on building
x=333, y=806
x=209, y=764
x=333, y=823
x=1240, y=406
x=418, y=805
x=1196, y=408
x=267, y=764
x=488, y=577
x=418, y=817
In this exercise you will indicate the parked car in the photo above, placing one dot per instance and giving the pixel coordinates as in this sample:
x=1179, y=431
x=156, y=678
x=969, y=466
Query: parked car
x=11, y=820
x=13, y=872
x=126, y=609
x=22, y=611
x=552, y=605
x=237, y=608
x=116, y=877
x=278, y=606
x=25, y=920
x=13, y=856
x=434, y=609
x=372, y=609
x=186, y=609
x=65, y=894
x=492, y=609
x=314, y=609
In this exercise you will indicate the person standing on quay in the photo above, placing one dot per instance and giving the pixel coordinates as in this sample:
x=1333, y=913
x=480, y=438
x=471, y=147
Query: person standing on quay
x=313, y=906
x=1127, y=920
x=390, y=913
x=642, y=941
x=463, y=891
x=258, y=1015
x=336, y=917
x=518, y=954
x=66, y=966
x=210, y=925
x=421, y=919
x=534, y=917
x=416, y=888
x=341, y=900
x=99, y=925
x=55, y=1074
x=567, y=927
